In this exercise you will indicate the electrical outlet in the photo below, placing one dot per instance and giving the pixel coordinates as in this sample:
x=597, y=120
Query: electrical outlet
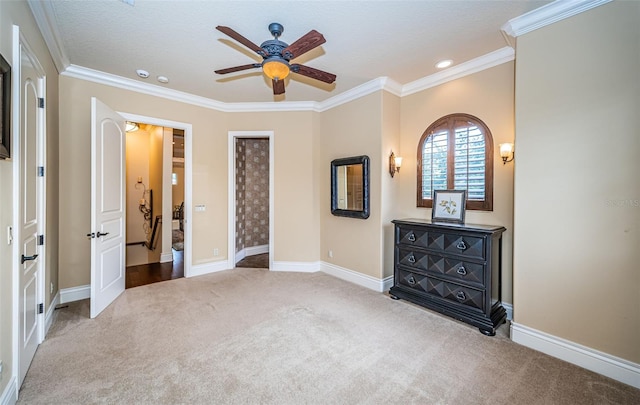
x=0, y=370
x=216, y=252
x=51, y=289
x=330, y=253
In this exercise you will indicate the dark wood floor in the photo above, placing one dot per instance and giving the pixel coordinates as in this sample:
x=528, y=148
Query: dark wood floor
x=154, y=272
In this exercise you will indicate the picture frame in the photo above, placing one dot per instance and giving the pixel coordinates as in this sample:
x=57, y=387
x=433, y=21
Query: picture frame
x=5, y=108
x=449, y=206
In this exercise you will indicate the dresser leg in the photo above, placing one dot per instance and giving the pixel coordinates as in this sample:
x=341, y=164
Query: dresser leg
x=393, y=297
x=487, y=332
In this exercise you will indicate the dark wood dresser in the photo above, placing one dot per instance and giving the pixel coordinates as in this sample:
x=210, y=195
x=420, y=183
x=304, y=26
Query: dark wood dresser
x=451, y=268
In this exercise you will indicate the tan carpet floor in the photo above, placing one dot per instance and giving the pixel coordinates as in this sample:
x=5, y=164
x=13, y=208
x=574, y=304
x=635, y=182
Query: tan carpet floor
x=249, y=336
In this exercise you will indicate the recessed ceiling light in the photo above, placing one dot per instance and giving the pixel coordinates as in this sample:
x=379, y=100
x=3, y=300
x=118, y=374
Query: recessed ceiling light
x=142, y=73
x=444, y=63
x=163, y=79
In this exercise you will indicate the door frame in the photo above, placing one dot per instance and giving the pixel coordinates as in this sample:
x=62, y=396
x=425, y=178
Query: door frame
x=19, y=43
x=233, y=135
x=188, y=175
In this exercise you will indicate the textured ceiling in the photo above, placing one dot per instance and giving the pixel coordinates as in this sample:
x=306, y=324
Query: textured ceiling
x=365, y=40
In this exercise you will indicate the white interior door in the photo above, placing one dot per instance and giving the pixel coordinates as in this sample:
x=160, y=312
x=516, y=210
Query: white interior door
x=108, y=141
x=30, y=157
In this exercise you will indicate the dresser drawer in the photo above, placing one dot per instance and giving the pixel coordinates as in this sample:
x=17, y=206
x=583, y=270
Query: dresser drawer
x=412, y=236
x=458, y=244
x=470, y=298
x=461, y=271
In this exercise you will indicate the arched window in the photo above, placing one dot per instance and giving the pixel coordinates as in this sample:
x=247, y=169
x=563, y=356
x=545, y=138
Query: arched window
x=456, y=153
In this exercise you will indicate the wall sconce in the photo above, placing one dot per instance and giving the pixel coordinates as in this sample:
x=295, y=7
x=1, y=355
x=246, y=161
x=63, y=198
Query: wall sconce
x=394, y=164
x=506, y=152
x=131, y=126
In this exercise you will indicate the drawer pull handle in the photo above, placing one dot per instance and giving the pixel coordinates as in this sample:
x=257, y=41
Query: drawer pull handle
x=411, y=280
x=412, y=259
x=461, y=245
x=460, y=296
x=462, y=271
x=411, y=237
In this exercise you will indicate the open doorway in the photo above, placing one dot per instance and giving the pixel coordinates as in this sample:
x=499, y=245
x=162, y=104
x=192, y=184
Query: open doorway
x=251, y=199
x=155, y=185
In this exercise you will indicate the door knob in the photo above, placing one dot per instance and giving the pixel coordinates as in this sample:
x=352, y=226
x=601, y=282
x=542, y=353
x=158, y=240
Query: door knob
x=99, y=234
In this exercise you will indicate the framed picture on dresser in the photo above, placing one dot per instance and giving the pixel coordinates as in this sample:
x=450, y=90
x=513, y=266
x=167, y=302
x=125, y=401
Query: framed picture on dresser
x=5, y=107
x=448, y=206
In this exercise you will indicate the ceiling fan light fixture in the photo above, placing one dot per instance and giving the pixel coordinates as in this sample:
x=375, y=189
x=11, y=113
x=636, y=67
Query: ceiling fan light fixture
x=276, y=68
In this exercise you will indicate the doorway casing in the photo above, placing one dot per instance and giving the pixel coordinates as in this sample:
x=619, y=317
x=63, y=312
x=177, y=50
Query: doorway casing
x=233, y=135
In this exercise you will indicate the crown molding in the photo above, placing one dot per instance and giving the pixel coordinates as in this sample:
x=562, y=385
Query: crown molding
x=44, y=16
x=548, y=14
x=381, y=83
x=495, y=58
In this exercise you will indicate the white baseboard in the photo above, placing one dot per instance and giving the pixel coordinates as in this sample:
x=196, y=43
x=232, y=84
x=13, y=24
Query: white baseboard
x=363, y=280
x=75, y=293
x=302, y=267
x=509, y=308
x=251, y=251
x=585, y=357
x=48, y=320
x=166, y=257
x=257, y=250
x=9, y=395
x=202, y=269
x=241, y=255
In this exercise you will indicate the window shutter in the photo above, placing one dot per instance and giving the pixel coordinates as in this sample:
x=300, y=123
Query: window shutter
x=434, y=163
x=469, y=162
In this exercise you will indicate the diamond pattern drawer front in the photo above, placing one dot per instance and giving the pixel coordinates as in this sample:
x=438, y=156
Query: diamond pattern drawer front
x=463, y=295
x=454, y=269
x=412, y=237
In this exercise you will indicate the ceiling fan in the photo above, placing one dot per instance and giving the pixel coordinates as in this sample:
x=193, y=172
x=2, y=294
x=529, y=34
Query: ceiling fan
x=277, y=54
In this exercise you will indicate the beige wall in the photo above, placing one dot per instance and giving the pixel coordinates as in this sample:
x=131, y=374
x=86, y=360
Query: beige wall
x=295, y=217
x=487, y=95
x=296, y=238
x=352, y=129
x=137, y=158
x=18, y=13
x=577, y=210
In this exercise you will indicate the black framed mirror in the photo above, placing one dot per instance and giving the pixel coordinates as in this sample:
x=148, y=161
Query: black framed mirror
x=350, y=187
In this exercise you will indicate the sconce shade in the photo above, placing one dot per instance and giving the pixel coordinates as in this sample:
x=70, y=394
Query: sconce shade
x=394, y=164
x=131, y=126
x=276, y=68
x=506, y=152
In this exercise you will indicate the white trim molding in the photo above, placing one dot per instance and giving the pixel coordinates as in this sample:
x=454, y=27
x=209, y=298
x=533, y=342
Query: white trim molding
x=10, y=393
x=72, y=294
x=43, y=14
x=509, y=308
x=372, y=283
x=50, y=316
x=585, y=357
x=207, y=268
x=548, y=14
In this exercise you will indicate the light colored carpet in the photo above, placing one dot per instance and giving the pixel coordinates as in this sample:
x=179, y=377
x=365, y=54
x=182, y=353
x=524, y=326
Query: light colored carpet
x=249, y=336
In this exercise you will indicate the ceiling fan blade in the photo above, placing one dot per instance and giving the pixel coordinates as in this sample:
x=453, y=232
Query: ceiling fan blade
x=238, y=68
x=278, y=86
x=313, y=73
x=303, y=45
x=244, y=41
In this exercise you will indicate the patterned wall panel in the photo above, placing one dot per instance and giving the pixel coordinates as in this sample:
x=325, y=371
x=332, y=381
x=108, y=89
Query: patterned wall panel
x=252, y=193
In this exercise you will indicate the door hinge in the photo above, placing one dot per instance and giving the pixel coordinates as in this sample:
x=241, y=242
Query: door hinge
x=40, y=308
x=40, y=102
x=40, y=240
x=40, y=171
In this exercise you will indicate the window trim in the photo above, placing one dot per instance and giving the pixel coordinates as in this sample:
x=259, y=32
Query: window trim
x=449, y=121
